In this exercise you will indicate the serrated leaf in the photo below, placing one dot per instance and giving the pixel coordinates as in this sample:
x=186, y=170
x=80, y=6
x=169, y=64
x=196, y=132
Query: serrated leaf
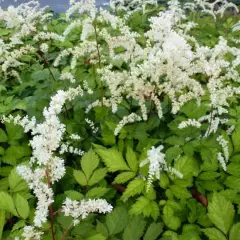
x=214, y=234
x=235, y=232
x=139, y=206
x=22, y=206
x=169, y=219
x=135, y=229
x=221, y=212
x=117, y=220
x=208, y=175
x=74, y=195
x=96, y=237
x=124, y=177
x=19, y=224
x=16, y=183
x=180, y=192
x=97, y=176
x=3, y=136
x=236, y=140
x=14, y=132
x=2, y=222
x=102, y=229
x=134, y=187
x=175, y=140
x=132, y=159
x=233, y=182
x=7, y=204
x=153, y=231
x=112, y=158
x=97, y=192
x=234, y=169
x=164, y=180
x=155, y=212
x=89, y=163
x=80, y=177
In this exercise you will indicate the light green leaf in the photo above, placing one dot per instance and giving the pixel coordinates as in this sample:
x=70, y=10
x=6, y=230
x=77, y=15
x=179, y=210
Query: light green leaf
x=18, y=225
x=169, y=219
x=14, y=132
x=22, y=206
x=112, y=158
x=236, y=140
x=233, y=183
x=134, y=187
x=155, y=210
x=153, y=231
x=74, y=195
x=124, y=177
x=132, y=159
x=16, y=183
x=97, y=176
x=214, y=234
x=80, y=177
x=3, y=136
x=235, y=232
x=208, y=175
x=234, y=169
x=164, y=180
x=2, y=222
x=102, y=229
x=221, y=212
x=96, y=237
x=7, y=204
x=117, y=220
x=89, y=163
x=97, y=192
x=135, y=229
x=180, y=192
x=139, y=206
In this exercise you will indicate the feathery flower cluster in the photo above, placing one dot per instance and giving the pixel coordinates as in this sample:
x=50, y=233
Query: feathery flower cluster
x=67, y=148
x=91, y=124
x=224, y=144
x=68, y=76
x=157, y=163
x=75, y=137
x=83, y=208
x=30, y=233
x=189, y=122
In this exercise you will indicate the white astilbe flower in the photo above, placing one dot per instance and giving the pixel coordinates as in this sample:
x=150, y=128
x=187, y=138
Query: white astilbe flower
x=29, y=233
x=224, y=144
x=83, y=208
x=44, y=47
x=92, y=126
x=67, y=148
x=222, y=161
x=75, y=137
x=189, y=122
x=230, y=130
x=157, y=163
x=68, y=76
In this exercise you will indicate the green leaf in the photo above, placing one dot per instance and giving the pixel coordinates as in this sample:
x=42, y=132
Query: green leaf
x=233, y=182
x=153, y=231
x=3, y=136
x=14, y=132
x=169, y=219
x=16, y=183
x=74, y=195
x=164, y=180
x=132, y=159
x=139, y=206
x=2, y=222
x=102, y=229
x=97, y=192
x=214, y=234
x=80, y=177
x=96, y=237
x=18, y=225
x=234, y=169
x=124, y=177
x=7, y=204
x=112, y=158
x=221, y=212
x=175, y=140
x=208, y=175
x=134, y=187
x=117, y=220
x=180, y=192
x=89, y=163
x=188, y=166
x=235, y=232
x=236, y=140
x=22, y=206
x=97, y=176
x=135, y=229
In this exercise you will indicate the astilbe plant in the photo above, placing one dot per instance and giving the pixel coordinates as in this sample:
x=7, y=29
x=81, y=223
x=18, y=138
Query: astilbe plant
x=163, y=67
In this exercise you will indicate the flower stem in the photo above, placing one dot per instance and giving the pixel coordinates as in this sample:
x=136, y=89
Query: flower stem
x=66, y=231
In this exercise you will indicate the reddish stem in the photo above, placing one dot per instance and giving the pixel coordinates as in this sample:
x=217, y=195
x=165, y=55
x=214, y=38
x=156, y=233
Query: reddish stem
x=199, y=197
x=50, y=206
x=118, y=187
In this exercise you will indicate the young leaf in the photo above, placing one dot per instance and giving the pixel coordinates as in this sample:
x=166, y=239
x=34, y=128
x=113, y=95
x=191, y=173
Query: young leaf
x=235, y=232
x=134, y=229
x=117, y=220
x=7, y=204
x=169, y=219
x=22, y=206
x=140, y=205
x=221, y=212
x=134, y=187
x=132, y=159
x=96, y=192
x=3, y=136
x=80, y=177
x=97, y=176
x=89, y=163
x=153, y=231
x=180, y=192
x=214, y=234
x=124, y=177
x=16, y=183
x=112, y=158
